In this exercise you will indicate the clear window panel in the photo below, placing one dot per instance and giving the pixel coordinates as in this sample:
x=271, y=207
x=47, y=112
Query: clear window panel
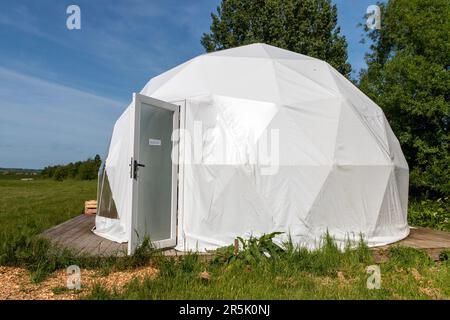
x=106, y=206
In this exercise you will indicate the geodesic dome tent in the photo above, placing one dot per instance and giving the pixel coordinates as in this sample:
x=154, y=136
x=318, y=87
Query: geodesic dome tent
x=249, y=141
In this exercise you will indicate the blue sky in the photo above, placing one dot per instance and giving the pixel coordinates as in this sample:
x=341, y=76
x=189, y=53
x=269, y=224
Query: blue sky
x=62, y=90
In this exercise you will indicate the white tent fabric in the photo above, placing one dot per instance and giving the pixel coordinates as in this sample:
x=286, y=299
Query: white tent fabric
x=286, y=144
x=117, y=169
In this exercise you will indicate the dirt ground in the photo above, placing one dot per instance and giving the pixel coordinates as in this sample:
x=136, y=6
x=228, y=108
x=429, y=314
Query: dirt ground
x=16, y=284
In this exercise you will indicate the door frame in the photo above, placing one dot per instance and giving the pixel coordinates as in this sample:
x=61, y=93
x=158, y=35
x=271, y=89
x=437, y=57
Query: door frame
x=133, y=242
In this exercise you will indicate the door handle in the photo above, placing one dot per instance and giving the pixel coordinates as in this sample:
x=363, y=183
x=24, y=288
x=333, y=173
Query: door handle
x=134, y=168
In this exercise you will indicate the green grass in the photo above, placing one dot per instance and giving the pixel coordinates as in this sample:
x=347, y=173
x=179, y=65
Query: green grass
x=327, y=273
x=29, y=207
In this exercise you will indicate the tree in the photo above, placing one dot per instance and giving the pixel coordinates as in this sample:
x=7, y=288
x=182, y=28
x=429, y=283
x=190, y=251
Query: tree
x=304, y=26
x=48, y=172
x=88, y=170
x=60, y=173
x=408, y=77
x=98, y=162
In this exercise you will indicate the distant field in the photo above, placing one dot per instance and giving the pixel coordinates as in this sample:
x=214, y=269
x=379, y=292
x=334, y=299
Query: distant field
x=29, y=207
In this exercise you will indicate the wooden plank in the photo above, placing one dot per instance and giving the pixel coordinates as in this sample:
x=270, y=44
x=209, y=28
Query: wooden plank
x=103, y=247
x=64, y=231
x=87, y=243
x=76, y=237
x=66, y=224
x=90, y=207
x=80, y=230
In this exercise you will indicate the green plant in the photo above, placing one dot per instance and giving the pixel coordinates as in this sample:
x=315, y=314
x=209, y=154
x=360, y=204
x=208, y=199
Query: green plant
x=142, y=253
x=408, y=257
x=325, y=260
x=253, y=250
x=430, y=213
x=99, y=292
x=445, y=255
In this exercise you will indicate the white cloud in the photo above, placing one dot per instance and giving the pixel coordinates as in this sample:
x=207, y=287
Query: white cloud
x=42, y=122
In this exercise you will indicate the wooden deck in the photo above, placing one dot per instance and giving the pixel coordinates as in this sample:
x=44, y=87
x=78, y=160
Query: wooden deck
x=429, y=240
x=76, y=234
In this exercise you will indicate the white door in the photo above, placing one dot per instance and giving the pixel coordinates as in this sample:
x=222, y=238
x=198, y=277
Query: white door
x=154, y=173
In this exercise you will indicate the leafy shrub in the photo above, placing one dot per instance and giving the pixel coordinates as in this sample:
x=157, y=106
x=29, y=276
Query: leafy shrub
x=326, y=260
x=429, y=213
x=60, y=174
x=252, y=251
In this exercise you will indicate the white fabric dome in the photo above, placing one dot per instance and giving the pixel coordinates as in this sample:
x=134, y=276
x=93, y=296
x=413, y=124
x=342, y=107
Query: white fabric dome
x=288, y=144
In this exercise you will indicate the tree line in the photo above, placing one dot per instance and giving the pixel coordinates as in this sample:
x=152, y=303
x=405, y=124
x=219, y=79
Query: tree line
x=82, y=170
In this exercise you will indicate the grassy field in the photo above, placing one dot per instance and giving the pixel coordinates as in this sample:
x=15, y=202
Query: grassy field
x=29, y=207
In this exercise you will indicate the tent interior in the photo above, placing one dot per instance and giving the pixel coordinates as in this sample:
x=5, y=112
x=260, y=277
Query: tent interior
x=249, y=141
